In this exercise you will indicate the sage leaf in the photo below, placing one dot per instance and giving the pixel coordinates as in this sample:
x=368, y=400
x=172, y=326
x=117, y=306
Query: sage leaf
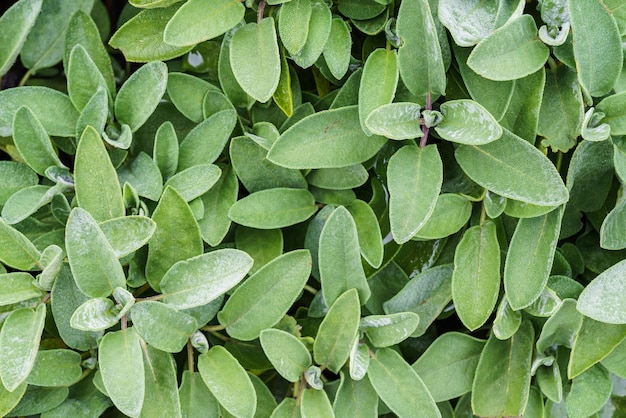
x=511, y=52
x=593, y=342
x=199, y=280
x=162, y=326
x=468, y=21
x=447, y=366
x=83, y=77
x=561, y=328
x=143, y=175
x=165, y=151
x=476, y=276
x=200, y=20
x=140, y=94
x=228, y=381
x=513, y=168
x=16, y=287
x=54, y=109
x=388, y=330
x=9, y=399
x=266, y=296
x=395, y=121
x=161, y=386
x=318, y=32
x=287, y=353
x=507, y=321
x=16, y=250
x=529, y=258
x=420, y=60
x=37, y=400
x=413, y=172
x=56, y=367
x=177, y=236
x=148, y=25
x=467, y=122
x=97, y=188
x=451, y=213
x=194, y=181
x=217, y=202
x=589, y=392
x=255, y=60
x=339, y=258
x=93, y=262
x=397, y=384
x=610, y=106
x=293, y=24
x=15, y=176
x=502, y=379
x=326, y=139
x=355, y=398
x=273, y=208
x=591, y=161
x=378, y=83
x=337, y=48
x=610, y=236
x=603, y=299
x=15, y=24
x=315, y=403
x=19, y=343
x=32, y=141
x=337, y=331
x=368, y=232
x=195, y=397
x=127, y=234
x=95, y=314
x=120, y=361
x=597, y=46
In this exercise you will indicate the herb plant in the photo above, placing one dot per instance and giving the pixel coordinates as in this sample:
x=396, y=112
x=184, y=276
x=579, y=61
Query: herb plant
x=312, y=208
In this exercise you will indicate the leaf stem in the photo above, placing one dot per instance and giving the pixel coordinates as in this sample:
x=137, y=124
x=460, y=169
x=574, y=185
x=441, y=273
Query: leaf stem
x=260, y=10
x=155, y=297
x=425, y=129
x=219, y=336
x=310, y=289
x=124, y=323
x=25, y=78
x=483, y=214
x=213, y=328
x=190, y=360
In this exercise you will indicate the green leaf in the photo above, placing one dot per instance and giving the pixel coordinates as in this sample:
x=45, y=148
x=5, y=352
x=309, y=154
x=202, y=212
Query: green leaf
x=507, y=321
x=326, y=139
x=161, y=388
x=165, y=152
x=26, y=202
x=468, y=21
x=426, y=294
x=127, y=234
x=447, y=367
x=318, y=32
x=97, y=188
x=561, y=328
x=341, y=178
x=593, y=342
x=15, y=24
x=140, y=94
x=255, y=60
x=337, y=47
x=15, y=176
x=604, y=299
x=368, y=232
x=273, y=208
x=120, y=362
x=16, y=287
x=529, y=258
x=589, y=392
x=32, y=141
x=451, y=213
x=204, y=143
x=54, y=109
x=388, y=330
x=16, y=250
x=378, y=83
x=162, y=326
x=476, y=277
x=19, y=342
x=397, y=384
x=194, y=181
x=395, y=121
x=511, y=52
x=287, y=353
x=217, y=202
x=550, y=383
x=467, y=122
x=199, y=280
x=95, y=314
x=502, y=379
x=39, y=399
x=93, y=262
x=513, y=168
x=597, y=46
x=95, y=113
x=83, y=77
x=340, y=259
x=355, y=398
x=561, y=114
x=177, y=236
x=611, y=237
x=315, y=403
x=413, y=172
x=195, y=398
x=264, y=298
x=588, y=175
x=337, y=331
x=149, y=26
x=44, y=44
x=419, y=58
x=293, y=18
x=84, y=31
x=201, y=20
x=143, y=174
x=9, y=399
x=611, y=107
x=228, y=381
x=287, y=408
x=56, y=368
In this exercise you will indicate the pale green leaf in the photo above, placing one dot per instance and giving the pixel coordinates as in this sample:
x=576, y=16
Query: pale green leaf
x=127, y=234
x=15, y=24
x=161, y=387
x=337, y=48
x=194, y=181
x=215, y=223
x=368, y=232
x=95, y=314
x=293, y=24
x=165, y=151
x=143, y=175
x=15, y=176
x=315, y=403
x=507, y=321
x=83, y=77
x=16, y=287
x=16, y=250
x=195, y=398
x=388, y=330
x=467, y=122
x=378, y=83
x=451, y=213
x=395, y=121
x=604, y=299
x=589, y=393
x=287, y=353
x=593, y=342
x=318, y=32
x=468, y=21
x=56, y=367
x=162, y=326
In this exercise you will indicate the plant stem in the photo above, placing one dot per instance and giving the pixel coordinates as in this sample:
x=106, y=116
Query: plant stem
x=190, y=361
x=310, y=289
x=425, y=129
x=25, y=78
x=212, y=328
x=260, y=9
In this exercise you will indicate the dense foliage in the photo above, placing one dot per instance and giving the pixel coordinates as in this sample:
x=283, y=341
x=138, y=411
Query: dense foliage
x=312, y=208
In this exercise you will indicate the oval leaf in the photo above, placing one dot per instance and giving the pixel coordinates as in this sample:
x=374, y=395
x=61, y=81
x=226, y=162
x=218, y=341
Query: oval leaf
x=56, y=368
x=378, y=83
x=388, y=330
x=15, y=24
x=396, y=121
x=467, y=122
x=604, y=299
x=162, y=326
x=127, y=234
x=95, y=315
x=287, y=353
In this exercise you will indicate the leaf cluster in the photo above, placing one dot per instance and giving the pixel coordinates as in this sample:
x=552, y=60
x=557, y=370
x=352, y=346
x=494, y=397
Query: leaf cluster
x=316, y=208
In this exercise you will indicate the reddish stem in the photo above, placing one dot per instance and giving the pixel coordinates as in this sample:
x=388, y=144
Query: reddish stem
x=260, y=10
